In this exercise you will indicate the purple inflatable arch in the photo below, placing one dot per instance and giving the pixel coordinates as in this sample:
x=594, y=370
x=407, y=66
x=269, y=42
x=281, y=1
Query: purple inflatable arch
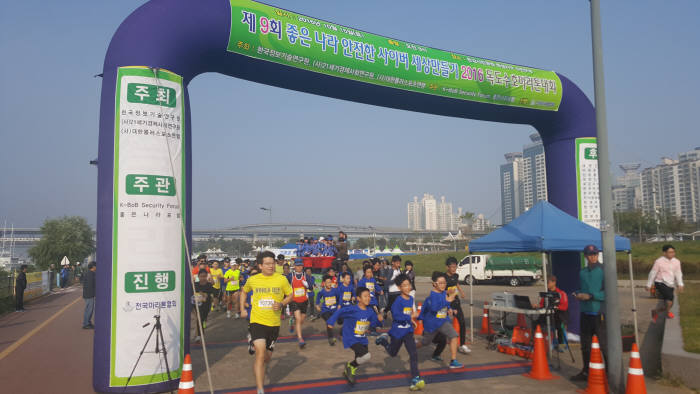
x=188, y=38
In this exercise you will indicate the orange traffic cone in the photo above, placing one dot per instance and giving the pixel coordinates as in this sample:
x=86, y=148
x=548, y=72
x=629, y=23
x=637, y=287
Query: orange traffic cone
x=485, y=324
x=597, y=380
x=419, y=323
x=540, y=368
x=186, y=383
x=455, y=325
x=635, y=375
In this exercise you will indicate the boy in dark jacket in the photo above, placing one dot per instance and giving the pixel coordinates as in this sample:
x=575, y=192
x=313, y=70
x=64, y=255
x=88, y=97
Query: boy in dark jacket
x=20, y=285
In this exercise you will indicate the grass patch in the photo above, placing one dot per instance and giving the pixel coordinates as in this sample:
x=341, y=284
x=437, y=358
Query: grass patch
x=690, y=317
x=7, y=304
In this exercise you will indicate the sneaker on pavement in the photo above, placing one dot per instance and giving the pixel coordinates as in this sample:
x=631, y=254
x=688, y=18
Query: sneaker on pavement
x=331, y=341
x=382, y=340
x=464, y=349
x=228, y=314
x=237, y=316
x=302, y=344
x=416, y=384
x=436, y=358
x=670, y=315
x=349, y=373
x=455, y=364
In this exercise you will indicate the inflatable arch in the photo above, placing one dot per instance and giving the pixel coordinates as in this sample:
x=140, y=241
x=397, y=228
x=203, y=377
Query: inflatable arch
x=145, y=171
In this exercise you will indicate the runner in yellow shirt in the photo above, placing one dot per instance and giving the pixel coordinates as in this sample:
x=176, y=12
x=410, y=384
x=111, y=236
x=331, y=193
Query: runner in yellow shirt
x=232, y=279
x=216, y=274
x=271, y=293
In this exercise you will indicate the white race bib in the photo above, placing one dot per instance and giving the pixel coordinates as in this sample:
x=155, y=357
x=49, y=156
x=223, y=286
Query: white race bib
x=266, y=303
x=361, y=327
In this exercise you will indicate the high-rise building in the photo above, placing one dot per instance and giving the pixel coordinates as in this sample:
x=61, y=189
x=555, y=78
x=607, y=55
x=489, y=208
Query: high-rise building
x=481, y=223
x=627, y=193
x=673, y=187
x=511, y=188
x=534, y=180
x=430, y=214
x=445, y=215
x=415, y=215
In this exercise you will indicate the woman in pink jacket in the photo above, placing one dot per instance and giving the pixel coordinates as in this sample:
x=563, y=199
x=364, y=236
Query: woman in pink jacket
x=665, y=275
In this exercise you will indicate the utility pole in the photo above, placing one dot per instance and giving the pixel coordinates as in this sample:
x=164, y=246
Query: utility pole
x=269, y=234
x=612, y=309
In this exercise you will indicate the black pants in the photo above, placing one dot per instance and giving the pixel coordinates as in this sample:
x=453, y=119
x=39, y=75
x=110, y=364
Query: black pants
x=410, y=344
x=440, y=342
x=592, y=325
x=462, y=326
x=19, y=299
x=360, y=350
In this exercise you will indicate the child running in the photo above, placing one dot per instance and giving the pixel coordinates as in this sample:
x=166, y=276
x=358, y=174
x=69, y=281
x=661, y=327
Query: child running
x=346, y=290
x=300, y=299
x=401, y=332
x=434, y=314
x=328, y=297
x=370, y=283
x=357, y=320
x=232, y=278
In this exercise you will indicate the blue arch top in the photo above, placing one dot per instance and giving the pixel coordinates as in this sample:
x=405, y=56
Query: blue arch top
x=190, y=38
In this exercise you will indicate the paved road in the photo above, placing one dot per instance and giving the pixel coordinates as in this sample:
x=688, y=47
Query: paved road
x=42, y=356
x=45, y=350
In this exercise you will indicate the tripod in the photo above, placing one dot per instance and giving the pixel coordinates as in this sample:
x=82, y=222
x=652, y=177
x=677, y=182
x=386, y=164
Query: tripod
x=160, y=348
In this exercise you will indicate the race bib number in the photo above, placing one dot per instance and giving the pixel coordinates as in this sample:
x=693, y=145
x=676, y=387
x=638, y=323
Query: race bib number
x=361, y=327
x=370, y=286
x=234, y=283
x=299, y=292
x=407, y=311
x=442, y=313
x=330, y=301
x=452, y=289
x=266, y=303
x=347, y=296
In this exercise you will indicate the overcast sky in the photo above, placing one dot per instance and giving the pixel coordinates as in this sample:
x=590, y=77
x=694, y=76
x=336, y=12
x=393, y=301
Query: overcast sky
x=362, y=163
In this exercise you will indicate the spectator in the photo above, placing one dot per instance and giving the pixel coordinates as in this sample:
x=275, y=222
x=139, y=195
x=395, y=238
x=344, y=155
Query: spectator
x=20, y=285
x=411, y=274
x=89, y=295
x=665, y=274
x=65, y=274
x=392, y=287
x=279, y=266
x=591, y=298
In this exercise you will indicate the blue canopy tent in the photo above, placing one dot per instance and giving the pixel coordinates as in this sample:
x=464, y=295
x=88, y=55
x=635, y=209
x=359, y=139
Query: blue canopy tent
x=546, y=228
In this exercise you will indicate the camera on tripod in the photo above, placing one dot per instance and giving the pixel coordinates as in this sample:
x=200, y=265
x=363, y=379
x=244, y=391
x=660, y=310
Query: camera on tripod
x=551, y=299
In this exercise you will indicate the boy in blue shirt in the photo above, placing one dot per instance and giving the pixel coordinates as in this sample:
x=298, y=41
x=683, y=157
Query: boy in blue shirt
x=346, y=291
x=436, y=314
x=401, y=333
x=328, y=297
x=369, y=282
x=357, y=321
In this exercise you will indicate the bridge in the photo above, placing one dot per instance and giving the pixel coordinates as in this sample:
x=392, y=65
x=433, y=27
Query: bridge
x=251, y=232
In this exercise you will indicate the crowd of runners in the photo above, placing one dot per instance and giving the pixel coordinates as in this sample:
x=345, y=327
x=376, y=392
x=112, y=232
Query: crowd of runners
x=269, y=289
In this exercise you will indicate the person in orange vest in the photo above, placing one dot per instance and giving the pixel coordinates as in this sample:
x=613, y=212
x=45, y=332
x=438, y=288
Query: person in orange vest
x=300, y=300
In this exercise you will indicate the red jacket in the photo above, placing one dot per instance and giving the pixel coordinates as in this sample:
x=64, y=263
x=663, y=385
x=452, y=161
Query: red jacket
x=563, y=300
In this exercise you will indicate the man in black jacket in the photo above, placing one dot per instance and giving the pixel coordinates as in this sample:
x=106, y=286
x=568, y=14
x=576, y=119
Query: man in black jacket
x=89, y=295
x=20, y=285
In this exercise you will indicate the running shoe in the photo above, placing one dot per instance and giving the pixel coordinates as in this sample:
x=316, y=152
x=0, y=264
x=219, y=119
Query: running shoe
x=228, y=314
x=464, y=349
x=670, y=315
x=349, y=373
x=417, y=384
x=455, y=364
x=204, y=324
x=383, y=340
x=331, y=341
x=436, y=358
x=236, y=316
x=251, y=349
x=302, y=344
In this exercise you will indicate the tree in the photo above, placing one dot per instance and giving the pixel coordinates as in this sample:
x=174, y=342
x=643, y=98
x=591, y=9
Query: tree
x=69, y=236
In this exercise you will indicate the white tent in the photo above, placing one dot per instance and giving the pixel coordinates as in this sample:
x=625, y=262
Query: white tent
x=64, y=261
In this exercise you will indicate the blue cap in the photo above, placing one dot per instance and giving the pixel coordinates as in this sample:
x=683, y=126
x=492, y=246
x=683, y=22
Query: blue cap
x=298, y=262
x=590, y=249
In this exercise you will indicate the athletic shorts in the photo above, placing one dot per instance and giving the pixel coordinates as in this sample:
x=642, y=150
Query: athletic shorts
x=298, y=306
x=268, y=333
x=445, y=329
x=360, y=349
x=664, y=292
x=231, y=292
x=326, y=315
